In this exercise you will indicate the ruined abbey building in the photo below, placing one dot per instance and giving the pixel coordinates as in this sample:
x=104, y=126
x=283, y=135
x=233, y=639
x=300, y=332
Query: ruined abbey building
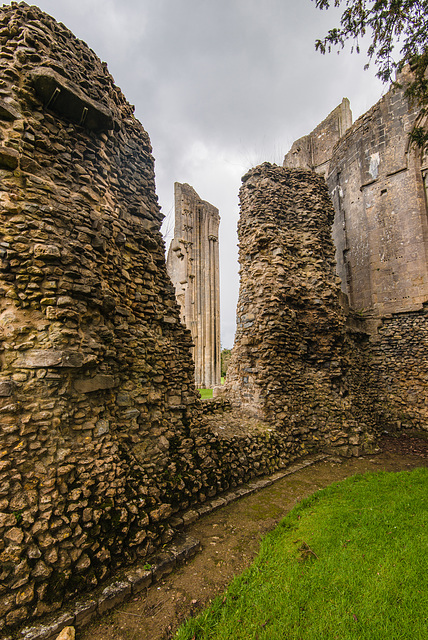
x=193, y=266
x=378, y=184
x=102, y=440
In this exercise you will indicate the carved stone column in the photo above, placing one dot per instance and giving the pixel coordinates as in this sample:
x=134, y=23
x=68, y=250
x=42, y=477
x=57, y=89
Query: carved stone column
x=193, y=266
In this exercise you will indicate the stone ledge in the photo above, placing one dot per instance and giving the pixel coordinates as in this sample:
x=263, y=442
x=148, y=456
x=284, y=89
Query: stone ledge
x=47, y=358
x=127, y=583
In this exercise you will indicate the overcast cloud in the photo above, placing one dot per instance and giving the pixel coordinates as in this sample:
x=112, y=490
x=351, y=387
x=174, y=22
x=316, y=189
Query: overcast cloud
x=220, y=86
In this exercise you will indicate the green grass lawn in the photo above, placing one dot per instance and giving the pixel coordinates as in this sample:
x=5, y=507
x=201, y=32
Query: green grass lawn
x=350, y=562
x=208, y=393
x=205, y=393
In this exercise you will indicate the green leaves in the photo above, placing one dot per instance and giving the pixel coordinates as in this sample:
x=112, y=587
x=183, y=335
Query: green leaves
x=399, y=36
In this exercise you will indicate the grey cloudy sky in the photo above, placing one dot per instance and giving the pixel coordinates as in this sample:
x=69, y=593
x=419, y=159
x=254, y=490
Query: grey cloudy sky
x=220, y=86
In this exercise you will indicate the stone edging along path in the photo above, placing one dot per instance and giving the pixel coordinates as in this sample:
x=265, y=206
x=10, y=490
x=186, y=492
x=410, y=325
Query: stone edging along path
x=131, y=581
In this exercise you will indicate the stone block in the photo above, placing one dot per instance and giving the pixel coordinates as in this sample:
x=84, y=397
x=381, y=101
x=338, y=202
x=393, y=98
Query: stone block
x=96, y=383
x=139, y=578
x=68, y=633
x=189, y=517
x=113, y=595
x=216, y=504
x=84, y=612
x=6, y=388
x=184, y=548
x=163, y=564
x=39, y=359
x=7, y=112
x=46, y=251
x=8, y=158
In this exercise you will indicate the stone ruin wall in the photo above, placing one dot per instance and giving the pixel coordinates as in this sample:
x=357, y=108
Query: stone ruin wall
x=377, y=182
x=103, y=442
x=313, y=151
x=380, y=228
x=101, y=429
x=193, y=266
x=96, y=372
x=294, y=364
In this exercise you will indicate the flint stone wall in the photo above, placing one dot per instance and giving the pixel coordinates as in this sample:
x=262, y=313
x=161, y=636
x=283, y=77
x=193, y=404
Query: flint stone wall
x=294, y=363
x=398, y=350
x=101, y=433
x=96, y=373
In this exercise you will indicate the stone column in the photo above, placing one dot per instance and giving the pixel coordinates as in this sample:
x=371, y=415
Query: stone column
x=193, y=266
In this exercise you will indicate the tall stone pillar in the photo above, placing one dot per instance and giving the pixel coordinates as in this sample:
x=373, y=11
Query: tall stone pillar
x=294, y=363
x=193, y=266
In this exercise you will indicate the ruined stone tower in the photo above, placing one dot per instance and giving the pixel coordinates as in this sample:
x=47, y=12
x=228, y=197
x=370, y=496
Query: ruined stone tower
x=292, y=363
x=193, y=266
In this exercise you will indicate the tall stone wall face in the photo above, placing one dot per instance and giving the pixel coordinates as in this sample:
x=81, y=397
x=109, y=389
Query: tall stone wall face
x=380, y=228
x=378, y=184
x=293, y=363
x=399, y=351
x=193, y=266
x=313, y=152
x=96, y=376
x=381, y=235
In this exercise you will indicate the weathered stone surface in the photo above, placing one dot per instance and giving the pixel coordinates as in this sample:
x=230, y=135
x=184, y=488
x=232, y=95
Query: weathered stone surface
x=7, y=111
x=164, y=563
x=185, y=548
x=84, y=612
x=112, y=595
x=46, y=251
x=99, y=381
x=293, y=363
x=68, y=633
x=8, y=158
x=193, y=266
x=6, y=388
x=139, y=579
x=48, y=631
x=35, y=359
x=313, y=152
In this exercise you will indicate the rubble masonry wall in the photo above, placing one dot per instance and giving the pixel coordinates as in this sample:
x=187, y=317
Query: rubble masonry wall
x=294, y=363
x=101, y=435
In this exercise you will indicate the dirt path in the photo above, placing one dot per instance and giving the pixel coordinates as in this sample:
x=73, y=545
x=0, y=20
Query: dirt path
x=230, y=540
